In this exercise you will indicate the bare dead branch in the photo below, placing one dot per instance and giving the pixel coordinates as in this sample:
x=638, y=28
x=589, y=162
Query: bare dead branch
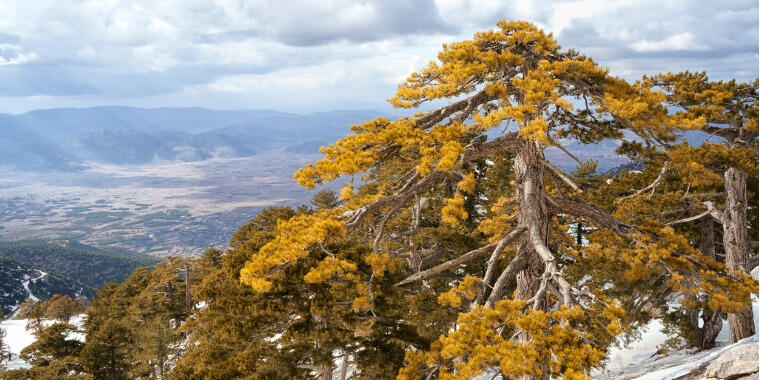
x=381, y=228
x=562, y=176
x=467, y=257
x=564, y=150
x=517, y=264
x=592, y=214
x=652, y=186
x=489, y=271
x=689, y=219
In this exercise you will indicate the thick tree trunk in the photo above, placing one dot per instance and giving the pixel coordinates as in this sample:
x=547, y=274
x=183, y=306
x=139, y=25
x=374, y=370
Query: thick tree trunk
x=736, y=245
x=529, y=177
x=712, y=321
x=326, y=372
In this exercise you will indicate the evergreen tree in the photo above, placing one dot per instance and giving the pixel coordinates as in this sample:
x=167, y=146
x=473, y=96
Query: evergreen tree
x=132, y=329
x=53, y=355
x=532, y=302
x=728, y=110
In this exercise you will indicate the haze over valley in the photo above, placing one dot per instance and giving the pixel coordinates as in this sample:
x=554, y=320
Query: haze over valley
x=165, y=181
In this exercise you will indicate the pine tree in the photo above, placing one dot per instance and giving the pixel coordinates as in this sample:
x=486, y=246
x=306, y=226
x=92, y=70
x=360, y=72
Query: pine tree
x=54, y=354
x=300, y=328
x=107, y=353
x=513, y=93
x=132, y=329
x=728, y=110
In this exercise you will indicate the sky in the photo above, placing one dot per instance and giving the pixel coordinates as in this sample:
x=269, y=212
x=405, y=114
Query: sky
x=307, y=56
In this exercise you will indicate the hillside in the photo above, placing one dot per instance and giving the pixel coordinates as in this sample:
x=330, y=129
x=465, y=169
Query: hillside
x=19, y=281
x=87, y=265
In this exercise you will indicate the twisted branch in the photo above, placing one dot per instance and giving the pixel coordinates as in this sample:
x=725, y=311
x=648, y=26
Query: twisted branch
x=467, y=257
x=652, y=186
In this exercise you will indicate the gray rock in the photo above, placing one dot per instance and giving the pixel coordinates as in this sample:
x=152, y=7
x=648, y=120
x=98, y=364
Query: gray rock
x=736, y=362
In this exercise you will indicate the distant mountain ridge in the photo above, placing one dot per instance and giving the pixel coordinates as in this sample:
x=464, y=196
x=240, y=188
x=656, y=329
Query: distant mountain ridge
x=67, y=138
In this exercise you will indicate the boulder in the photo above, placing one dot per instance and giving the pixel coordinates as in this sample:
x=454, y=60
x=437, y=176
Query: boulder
x=735, y=363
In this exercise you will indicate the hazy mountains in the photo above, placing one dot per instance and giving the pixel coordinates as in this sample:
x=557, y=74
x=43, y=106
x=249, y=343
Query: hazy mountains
x=64, y=139
x=168, y=181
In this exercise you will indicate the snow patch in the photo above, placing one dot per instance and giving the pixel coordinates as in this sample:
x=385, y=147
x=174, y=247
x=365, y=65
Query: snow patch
x=17, y=337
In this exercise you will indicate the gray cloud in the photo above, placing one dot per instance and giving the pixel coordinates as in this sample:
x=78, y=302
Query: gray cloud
x=275, y=53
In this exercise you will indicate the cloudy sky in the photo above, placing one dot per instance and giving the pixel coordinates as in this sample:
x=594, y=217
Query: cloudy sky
x=308, y=55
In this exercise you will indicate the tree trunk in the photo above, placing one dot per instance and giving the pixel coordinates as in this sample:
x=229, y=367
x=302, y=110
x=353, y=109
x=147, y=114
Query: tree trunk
x=707, y=245
x=188, y=299
x=712, y=321
x=325, y=372
x=736, y=246
x=529, y=177
x=344, y=368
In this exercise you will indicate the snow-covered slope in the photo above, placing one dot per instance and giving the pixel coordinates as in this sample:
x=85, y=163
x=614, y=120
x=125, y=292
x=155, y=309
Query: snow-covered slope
x=640, y=361
x=19, y=281
x=678, y=364
x=17, y=337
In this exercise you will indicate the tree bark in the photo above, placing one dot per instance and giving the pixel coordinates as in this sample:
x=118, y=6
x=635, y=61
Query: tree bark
x=529, y=177
x=736, y=246
x=712, y=321
x=344, y=368
x=326, y=372
x=532, y=212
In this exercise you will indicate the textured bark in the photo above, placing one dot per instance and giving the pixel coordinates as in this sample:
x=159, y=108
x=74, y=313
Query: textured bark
x=532, y=212
x=712, y=322
x=736, y=245
x=707, y=245
x=343, y=368
x=325, y=372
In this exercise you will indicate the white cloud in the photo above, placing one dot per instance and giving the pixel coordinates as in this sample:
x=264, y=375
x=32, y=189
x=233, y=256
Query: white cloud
x=211, y=50
x=678, y=42
x=11, y=54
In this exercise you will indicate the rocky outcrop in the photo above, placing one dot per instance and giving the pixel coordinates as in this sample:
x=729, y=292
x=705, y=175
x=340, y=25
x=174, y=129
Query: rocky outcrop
x=736, y=363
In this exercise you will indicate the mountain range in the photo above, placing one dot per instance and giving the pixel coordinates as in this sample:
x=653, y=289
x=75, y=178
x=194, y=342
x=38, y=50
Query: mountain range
x=65, y=139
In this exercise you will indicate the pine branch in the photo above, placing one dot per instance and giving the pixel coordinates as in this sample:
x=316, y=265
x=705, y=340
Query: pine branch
x=474, y=152
x=562, y=176
x=594, y=215
x=652, y=186
x=467, y=257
